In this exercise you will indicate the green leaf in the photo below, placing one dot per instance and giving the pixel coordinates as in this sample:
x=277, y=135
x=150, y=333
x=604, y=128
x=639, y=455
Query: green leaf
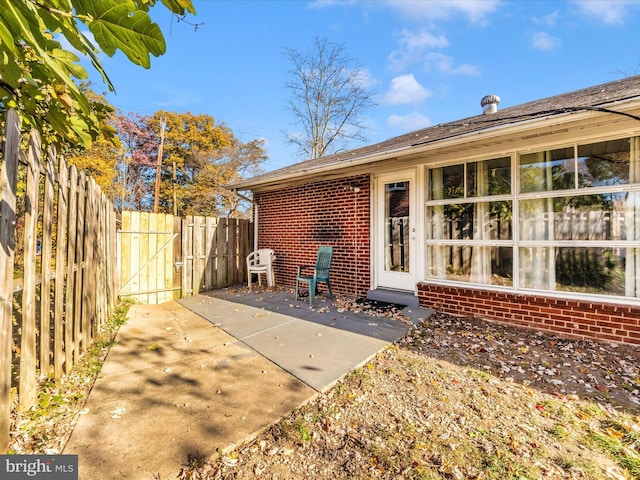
x=117, y=25
x=69, y=60
x=6, y=39
x=66, y=25
x=180, y=7
x=38, y=76
x=10, y=72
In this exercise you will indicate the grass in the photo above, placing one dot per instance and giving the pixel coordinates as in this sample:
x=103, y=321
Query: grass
x=49, y=421
x=407, y=415
x=621, y=442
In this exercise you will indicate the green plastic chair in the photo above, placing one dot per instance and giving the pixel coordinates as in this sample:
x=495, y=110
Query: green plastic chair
x=320, y=273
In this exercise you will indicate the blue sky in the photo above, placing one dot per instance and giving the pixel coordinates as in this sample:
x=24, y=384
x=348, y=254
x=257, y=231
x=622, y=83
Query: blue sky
x=428, y=61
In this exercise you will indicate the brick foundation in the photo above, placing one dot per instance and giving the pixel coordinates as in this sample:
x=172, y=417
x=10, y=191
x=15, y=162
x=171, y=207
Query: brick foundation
x=295, y=221
x=570, y=318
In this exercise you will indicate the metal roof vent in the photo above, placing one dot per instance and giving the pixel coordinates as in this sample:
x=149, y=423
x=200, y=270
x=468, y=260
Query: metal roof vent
x=490, y=104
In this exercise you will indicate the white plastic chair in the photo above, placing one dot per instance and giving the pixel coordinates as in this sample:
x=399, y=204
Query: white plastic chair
x=261, y=261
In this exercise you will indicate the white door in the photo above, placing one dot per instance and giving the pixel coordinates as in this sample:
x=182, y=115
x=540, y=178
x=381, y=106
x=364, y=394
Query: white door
x=396, y=231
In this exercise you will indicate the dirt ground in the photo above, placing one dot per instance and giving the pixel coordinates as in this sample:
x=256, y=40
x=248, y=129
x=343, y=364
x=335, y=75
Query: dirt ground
x=457, y=399
x=461, y=398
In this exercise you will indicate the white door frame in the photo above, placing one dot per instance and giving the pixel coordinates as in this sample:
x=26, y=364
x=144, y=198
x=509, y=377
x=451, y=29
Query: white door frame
x=384, y=278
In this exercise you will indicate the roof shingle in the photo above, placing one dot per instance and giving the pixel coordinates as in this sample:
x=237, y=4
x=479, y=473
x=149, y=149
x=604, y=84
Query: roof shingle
x=591, y=98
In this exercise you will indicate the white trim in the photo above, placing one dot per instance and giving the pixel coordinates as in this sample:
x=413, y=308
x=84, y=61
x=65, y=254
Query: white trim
x=517, y=243
x=405, y=281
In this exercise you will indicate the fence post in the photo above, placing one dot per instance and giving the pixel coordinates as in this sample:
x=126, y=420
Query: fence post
x=8, y=182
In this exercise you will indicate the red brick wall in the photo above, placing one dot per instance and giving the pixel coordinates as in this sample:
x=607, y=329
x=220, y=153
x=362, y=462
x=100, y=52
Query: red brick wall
x=295, y=221
x=571, y=318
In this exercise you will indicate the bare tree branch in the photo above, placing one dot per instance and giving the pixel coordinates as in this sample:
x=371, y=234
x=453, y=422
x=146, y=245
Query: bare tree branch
x=328, y=99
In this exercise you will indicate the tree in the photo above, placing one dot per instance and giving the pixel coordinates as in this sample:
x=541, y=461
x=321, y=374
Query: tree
x=38, y=76
x=329, y=97
x=204, y=155
x=137, y=164
x=233, y=163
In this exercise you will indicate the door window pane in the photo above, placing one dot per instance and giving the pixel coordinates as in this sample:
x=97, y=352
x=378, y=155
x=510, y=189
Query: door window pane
x=396, y=208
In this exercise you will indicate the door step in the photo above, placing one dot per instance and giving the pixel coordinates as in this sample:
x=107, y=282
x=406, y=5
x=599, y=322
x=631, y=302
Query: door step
x=393, y=296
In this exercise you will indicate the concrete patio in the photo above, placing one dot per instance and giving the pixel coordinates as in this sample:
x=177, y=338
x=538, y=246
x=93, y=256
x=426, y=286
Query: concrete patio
x=211, y=371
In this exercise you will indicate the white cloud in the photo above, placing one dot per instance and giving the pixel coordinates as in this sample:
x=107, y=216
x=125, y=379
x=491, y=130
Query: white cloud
x=412, y=121
x=476, y=11
x=413, y=46
x=366, y=79
x=421, y=40
x=405, y=89
x=544, y=41
x=612, y=12
x=417, y=49
x=444, y=64
x=549, y=20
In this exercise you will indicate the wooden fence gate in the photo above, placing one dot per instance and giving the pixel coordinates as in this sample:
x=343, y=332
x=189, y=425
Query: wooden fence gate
x=163, y=257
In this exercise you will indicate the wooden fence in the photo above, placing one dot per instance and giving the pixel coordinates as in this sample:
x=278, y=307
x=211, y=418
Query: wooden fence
x=62, y=263
x=163, y=258
x=58, y=281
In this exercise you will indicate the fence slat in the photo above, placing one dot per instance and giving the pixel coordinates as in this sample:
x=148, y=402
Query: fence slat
x=101, y=287
x=8, y=182
x=89, y=284
x=178, y=257
x=221, y=247
x=45, y=269
x=28, y=356
x=69, y=327
x=79, y=271
x=207, y=253
x=61, y=254
x=197, y=254
x=165, y=278
x=155, y=267
x=187, y=256
x=111, y=257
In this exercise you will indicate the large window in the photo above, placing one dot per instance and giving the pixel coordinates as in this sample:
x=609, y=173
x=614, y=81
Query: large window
x=572, y=222
x=469, y=216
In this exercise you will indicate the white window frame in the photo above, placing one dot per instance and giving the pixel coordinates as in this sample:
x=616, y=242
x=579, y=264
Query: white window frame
x=515, y=242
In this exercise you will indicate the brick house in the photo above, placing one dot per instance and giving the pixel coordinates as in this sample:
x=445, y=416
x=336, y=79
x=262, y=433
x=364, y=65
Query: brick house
x=528, y=215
